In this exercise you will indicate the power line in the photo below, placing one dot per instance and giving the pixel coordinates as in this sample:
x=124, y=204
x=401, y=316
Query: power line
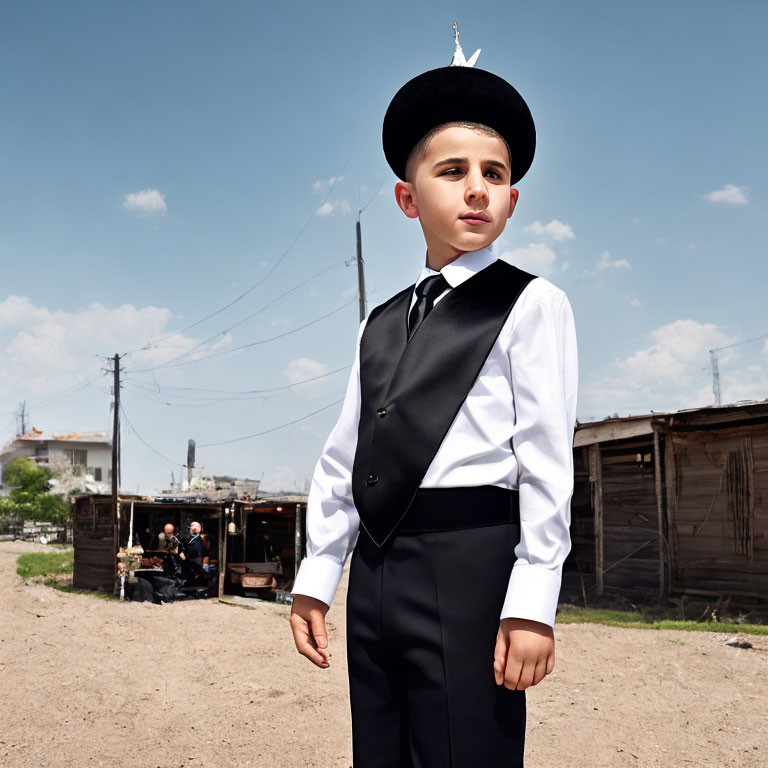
x=208, y=401
x=738, y=343
x=8, y=425
x=70, y=390
x=373, y=196
x=273, y=429
x=154, y=450
x=243, y=392
x=246, y=346
x=58, y=397
x=251, y=316
x=255, y=285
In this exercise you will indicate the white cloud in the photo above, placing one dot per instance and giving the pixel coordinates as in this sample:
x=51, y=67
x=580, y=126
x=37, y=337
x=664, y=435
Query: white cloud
x=329, y=208
x=674, y=348
x=322, y=184
x=673, y=371
x=555, y=230
x=730, y=194
x=535, y=257
x=148, y=202
x=635, y=303
x=607, y=263
x=44, y=351
x=304, y=368
x=540, y=257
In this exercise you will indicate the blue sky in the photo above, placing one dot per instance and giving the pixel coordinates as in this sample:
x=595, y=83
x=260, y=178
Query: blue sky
x=160, y=158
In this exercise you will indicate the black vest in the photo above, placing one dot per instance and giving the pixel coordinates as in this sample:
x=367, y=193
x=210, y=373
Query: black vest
x=412, y=390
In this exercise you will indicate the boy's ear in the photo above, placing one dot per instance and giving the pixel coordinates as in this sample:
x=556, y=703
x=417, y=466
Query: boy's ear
x=513, y=195
x=406, y=200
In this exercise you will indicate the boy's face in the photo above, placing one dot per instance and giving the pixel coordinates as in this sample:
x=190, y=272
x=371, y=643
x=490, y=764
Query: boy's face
x=460, y=192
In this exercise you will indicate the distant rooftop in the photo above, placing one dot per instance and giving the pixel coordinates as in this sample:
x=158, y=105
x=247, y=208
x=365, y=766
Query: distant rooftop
x=739, y=404
x=640, y=425
x=69, y=437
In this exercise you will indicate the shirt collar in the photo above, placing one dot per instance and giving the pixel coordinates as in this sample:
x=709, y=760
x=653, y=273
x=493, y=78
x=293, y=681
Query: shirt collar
x=464, y=266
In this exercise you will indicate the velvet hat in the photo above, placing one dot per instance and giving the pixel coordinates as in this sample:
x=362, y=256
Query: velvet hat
x=458, y=92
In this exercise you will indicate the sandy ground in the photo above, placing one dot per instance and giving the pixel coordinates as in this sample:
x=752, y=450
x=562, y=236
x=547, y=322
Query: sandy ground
x=87, y=682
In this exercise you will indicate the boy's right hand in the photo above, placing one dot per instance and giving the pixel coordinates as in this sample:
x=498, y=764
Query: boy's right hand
x=308, y=626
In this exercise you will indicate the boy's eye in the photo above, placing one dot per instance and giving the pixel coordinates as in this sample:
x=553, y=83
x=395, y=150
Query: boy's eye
x=458, y=171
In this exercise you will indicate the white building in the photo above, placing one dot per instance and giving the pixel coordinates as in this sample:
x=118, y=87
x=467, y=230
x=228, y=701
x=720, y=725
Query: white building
x=78, y=460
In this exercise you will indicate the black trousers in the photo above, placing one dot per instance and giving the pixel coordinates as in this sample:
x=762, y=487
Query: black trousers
x=422, y=618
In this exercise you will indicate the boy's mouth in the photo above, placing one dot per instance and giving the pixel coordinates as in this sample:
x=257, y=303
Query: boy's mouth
x=475, y=218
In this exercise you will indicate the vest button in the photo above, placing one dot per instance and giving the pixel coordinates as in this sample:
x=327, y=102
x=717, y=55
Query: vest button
x=372, y=479
x=382, y=412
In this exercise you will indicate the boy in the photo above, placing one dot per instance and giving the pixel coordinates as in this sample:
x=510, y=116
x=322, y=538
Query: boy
x=449, y=474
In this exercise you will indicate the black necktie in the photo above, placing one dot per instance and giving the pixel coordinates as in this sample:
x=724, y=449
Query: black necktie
x=426, y=293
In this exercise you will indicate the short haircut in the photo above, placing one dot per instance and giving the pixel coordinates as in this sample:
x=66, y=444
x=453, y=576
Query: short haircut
x=419, y=151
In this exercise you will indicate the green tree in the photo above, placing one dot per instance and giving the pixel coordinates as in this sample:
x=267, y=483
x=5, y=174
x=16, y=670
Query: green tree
x=29, y=497
x=24, y=476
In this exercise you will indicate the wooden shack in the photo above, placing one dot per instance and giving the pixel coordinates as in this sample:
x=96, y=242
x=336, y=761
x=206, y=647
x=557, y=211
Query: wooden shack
x=716, y=463
x=235, y=531
x=671, y=503
x=260, y=531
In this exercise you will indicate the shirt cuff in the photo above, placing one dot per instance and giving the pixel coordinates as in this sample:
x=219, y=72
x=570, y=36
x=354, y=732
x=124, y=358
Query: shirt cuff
x=318, y=577
x=532, y=593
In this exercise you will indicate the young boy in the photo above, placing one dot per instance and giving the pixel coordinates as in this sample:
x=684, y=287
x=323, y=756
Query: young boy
x=449, y=474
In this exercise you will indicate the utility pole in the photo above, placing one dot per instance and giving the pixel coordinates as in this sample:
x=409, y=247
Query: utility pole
x=116, y=433
x=21, y=418
x=360, y=273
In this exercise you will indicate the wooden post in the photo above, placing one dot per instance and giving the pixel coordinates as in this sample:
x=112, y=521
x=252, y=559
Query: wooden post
x=222, y=550
x=116, y=543
x=116, y=434
x=297, y=543
x=657, y=466
x=243, y=528
x=670, y=477
x=130, y=529
x=596, y=478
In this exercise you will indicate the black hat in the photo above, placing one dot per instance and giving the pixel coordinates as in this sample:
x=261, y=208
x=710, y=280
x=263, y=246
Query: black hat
x=458, y=93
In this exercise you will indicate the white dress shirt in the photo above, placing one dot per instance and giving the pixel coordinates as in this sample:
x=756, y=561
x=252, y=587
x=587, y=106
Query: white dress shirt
x=514, y=429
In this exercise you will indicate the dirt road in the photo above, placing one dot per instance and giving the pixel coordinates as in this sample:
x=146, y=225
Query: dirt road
x=90, y=682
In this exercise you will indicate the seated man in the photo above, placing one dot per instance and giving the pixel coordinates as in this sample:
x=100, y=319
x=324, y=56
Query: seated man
x=167, y=540
x=170, y=545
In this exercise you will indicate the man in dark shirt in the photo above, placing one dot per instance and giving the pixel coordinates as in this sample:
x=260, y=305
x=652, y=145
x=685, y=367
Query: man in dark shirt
x=195, y=550
x=195, y=557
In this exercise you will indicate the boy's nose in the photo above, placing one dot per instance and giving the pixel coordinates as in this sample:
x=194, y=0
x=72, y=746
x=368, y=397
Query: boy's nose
x=475, y=192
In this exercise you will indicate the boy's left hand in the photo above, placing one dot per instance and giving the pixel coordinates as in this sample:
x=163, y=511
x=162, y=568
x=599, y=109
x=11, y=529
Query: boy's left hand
x=525, y=653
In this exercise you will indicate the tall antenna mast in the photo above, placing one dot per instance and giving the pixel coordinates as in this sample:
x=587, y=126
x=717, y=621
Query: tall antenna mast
x=715, y=376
